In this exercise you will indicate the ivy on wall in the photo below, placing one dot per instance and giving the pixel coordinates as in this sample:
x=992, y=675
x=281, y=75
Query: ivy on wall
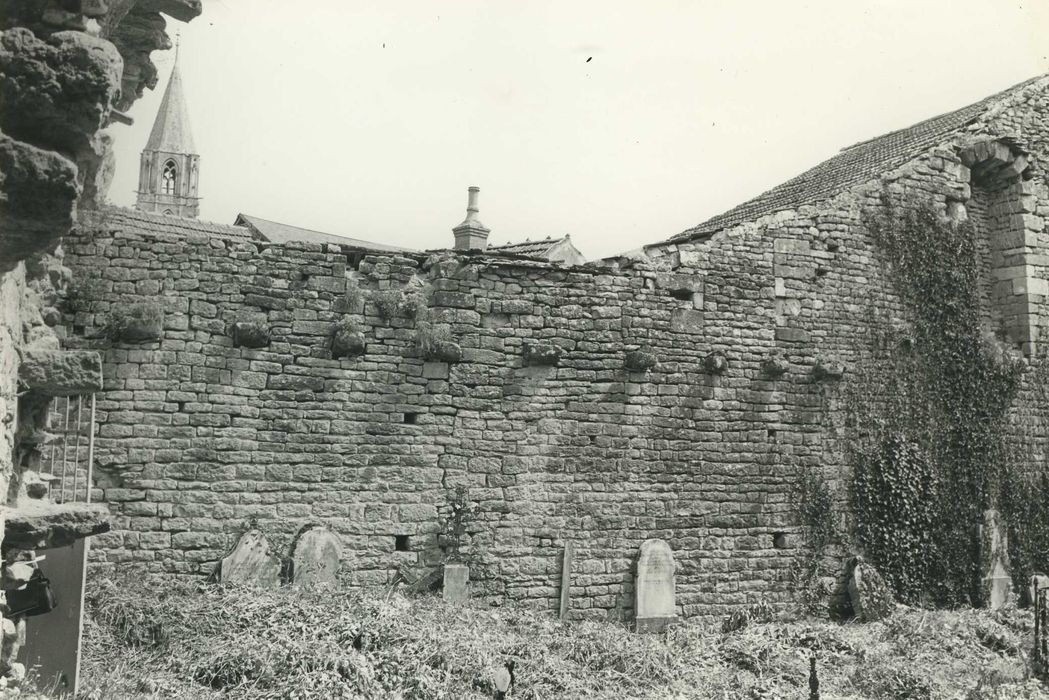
x=928, y=430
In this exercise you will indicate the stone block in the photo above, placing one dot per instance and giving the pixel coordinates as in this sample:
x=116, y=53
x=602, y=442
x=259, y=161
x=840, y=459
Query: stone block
x=686, y=321
x=61, y=372
x=640, y=361
x=539, y=353
x=251, y=334
x=347, y=342
x=792, y=335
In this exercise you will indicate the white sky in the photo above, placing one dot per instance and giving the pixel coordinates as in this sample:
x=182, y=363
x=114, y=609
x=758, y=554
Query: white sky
x=370, y=119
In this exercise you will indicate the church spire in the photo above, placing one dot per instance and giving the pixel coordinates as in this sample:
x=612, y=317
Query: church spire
x=167, y=181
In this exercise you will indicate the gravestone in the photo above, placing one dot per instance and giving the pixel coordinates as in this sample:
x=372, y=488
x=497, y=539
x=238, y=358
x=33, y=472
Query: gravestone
x=315, y=558
x=996, y=585
x=655, y=606
x=250, y=563
x=456, y=583
x=870, y=597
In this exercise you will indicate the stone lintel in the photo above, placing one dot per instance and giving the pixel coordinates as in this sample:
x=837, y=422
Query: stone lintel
x=46, y=525
x=61, y=372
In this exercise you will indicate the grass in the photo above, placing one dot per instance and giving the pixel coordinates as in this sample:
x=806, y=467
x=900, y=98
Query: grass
x=155, y=638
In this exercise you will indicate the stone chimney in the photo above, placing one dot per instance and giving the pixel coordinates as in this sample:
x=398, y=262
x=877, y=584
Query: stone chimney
x=471, y=234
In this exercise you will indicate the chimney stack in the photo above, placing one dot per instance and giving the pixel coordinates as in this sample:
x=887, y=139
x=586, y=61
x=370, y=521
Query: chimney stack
x=471, y=234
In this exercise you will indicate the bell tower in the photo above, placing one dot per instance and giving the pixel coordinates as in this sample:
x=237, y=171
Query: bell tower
x=167, y=179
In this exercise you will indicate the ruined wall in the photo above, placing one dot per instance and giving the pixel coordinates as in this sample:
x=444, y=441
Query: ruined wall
x=199, y=436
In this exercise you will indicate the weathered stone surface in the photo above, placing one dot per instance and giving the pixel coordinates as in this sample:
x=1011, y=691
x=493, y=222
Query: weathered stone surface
x=251, y=334
x=444, y=351
x=347, y=342
x=61, y=372
x=44, y=525
x=870, y=596
x=775, y=365
x=456, y=583
x=996, y=585
x=315, y=558
x=715, y=363
x=655, y=604
x=37, y=191
x=828, y=369
x=250, y=563
x=56, y=94
x=640, y=361
x=687, y=320
x=539, y=353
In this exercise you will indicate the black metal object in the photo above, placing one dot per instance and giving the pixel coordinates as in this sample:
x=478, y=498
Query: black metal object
x=36, y=598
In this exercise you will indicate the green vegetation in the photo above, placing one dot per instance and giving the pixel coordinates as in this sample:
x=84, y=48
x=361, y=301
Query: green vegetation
x=929, y=432
x=158, y=638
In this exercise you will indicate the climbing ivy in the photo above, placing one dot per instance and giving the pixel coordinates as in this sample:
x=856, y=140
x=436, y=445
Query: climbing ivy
x=928, y=416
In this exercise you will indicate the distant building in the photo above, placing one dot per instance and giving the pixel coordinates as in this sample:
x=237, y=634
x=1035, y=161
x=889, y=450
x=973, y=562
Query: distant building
x=559, y=250
x=276, y=232
x=167, y=179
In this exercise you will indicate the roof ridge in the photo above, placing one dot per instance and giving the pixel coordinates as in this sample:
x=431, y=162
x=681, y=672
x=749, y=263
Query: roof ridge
x=856, y=164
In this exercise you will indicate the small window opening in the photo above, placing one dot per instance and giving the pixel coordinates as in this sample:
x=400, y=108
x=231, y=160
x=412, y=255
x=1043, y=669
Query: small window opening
x=355, y=260
x=169, y=178
x=681, y=294
x=780, y=540
x=78, y=330
x=772, y=433
x=401, y=543
x=411, y=418
x=821, y=271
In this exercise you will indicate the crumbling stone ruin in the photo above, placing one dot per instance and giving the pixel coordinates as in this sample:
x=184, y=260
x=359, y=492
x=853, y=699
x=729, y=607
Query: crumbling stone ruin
x=674, y=394
x=67, y=70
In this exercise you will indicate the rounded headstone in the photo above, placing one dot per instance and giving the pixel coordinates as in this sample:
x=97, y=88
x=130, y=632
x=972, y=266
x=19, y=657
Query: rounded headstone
x=316, y=558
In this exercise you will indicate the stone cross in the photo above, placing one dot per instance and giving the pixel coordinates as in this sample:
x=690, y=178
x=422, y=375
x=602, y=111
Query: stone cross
x=315, y=558
x=655, y=606
x=996, y=585
x=250, y=563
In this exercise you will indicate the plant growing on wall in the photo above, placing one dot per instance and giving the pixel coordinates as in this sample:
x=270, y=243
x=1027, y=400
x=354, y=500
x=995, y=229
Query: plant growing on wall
x=139, y=321
x=462, y=512
x=928, y=413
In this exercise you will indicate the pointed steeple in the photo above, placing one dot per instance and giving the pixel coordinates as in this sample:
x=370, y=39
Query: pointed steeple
x=167, y=181
x=171, y=130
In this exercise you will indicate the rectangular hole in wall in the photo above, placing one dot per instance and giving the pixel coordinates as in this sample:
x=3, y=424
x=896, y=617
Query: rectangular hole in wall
x=354, y=259
x=78, y=330
x=411, y=418
x=401, y=543
x=780, y=540
x=681, y=294
x=772, y=433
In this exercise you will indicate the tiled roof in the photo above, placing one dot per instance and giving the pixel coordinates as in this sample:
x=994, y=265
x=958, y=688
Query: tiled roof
x=121, y=218
x=284, y=233
x=171, y=132
x=852, y=166
x=535, y=248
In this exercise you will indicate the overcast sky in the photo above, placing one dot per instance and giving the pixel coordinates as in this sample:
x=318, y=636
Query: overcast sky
x=619, y=122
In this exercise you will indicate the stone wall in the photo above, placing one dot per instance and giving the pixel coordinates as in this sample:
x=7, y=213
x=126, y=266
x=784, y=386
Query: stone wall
x=527, y=382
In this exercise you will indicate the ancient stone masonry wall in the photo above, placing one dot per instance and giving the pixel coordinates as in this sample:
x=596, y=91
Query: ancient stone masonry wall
x=297, y=384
